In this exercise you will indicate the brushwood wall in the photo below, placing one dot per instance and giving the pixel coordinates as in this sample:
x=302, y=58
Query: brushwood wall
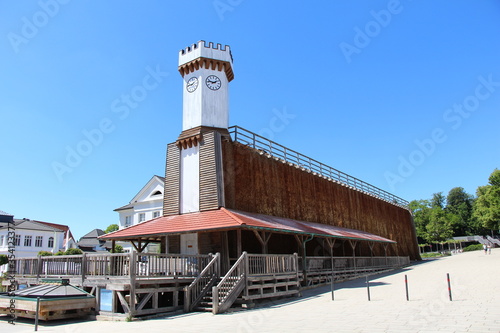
x=257, y=183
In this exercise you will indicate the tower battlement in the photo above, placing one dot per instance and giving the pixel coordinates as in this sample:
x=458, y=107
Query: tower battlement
x=209, y=50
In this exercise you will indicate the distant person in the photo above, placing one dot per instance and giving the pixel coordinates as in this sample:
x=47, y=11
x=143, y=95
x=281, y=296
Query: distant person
x=485, y=248
x=489, y=248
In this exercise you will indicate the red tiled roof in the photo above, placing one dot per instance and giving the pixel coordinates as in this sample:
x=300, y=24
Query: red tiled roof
x=232, y=219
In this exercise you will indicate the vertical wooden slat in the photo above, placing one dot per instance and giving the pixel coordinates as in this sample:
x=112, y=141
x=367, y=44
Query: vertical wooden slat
x=171, y=197
x=210, y=171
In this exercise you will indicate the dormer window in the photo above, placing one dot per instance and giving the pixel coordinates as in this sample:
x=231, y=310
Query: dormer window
x=156, y=193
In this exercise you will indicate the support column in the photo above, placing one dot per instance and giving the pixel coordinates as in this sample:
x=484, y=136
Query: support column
x=263, y=238
x=238, y=243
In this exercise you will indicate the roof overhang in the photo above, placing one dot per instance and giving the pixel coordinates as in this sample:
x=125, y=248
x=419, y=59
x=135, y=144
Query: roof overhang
x=229, y=219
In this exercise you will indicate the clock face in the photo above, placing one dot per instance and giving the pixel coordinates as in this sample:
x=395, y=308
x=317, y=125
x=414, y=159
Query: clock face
x=192, y=84
x=213, y=82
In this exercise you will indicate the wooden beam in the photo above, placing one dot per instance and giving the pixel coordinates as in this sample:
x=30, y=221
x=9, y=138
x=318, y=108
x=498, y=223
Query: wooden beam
x=144, y=301
x=263, y=238
x=123, y=302
x=238, y=243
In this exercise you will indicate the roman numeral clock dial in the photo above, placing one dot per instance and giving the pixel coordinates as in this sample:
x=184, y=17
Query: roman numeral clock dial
x=213, y=82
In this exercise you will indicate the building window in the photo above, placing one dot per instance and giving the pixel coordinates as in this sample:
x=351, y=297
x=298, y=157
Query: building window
x=142, y=217
x=51, y=242
x=157, y=193
x=38, y=241
x=128, y=220
x=156, y=214
x=27, y=240
x=18, y=240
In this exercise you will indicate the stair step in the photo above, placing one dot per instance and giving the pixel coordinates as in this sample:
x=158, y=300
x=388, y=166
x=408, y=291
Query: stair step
x=203, y=309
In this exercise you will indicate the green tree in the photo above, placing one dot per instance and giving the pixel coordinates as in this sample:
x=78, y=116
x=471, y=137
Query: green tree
x=111, y=228
x=460, y=204
x=439, y=227
x=3, y=259
x=438, y=200
x=487, y=205
x=421, y=216
x=118, y=248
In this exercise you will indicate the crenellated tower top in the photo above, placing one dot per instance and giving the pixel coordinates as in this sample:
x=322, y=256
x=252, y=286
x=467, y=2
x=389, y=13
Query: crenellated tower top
x=206, y=55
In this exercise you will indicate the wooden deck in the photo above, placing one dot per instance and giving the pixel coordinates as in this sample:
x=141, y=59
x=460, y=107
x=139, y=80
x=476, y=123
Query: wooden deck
x=147, y=283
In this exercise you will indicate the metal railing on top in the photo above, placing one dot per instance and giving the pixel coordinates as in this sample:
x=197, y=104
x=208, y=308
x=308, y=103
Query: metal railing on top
x=273, y=149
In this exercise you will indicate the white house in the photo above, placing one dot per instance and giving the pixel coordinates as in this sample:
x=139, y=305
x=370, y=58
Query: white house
x=144, y=206
x=33, y=236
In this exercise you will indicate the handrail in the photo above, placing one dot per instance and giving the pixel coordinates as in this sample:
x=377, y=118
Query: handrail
x=111, y=264
x=228, y=289
x=195, y=292
x=273, y=149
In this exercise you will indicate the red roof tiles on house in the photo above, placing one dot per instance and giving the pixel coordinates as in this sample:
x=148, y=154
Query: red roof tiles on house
x=232, y=219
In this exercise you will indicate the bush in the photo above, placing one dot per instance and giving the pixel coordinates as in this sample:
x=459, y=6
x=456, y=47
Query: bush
x=44, y=253
x=73, y=251
x=3, y=259
x=473, y=247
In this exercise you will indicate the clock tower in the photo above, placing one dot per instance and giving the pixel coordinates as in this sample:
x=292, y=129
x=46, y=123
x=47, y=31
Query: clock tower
x=194, y=172
x=206, y=70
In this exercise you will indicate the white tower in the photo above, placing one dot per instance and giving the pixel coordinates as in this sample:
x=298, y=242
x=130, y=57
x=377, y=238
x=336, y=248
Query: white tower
x=194, y=173
x=207, y=70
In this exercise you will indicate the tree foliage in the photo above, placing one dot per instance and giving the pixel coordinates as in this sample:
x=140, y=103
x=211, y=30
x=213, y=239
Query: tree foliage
x=3, y=259
x=111, y=228
x=118, y=248
x=487, y=205
x=459, y=213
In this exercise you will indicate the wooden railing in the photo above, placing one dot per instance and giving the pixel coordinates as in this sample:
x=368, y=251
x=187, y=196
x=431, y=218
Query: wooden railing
x=195, y=292
x=112, y=265
x=228, y=289
x=314, y=264
x=266, y=264
x=273, y=149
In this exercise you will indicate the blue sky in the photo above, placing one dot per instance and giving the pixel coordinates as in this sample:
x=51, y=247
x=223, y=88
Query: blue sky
x=402, y=94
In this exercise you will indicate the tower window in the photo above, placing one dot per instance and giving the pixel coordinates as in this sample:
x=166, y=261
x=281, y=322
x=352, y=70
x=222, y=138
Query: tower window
x=157, y=193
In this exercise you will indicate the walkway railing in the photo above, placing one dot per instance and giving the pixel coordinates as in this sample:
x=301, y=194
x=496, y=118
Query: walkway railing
x=105, y=265
x=202, y=285
x=265, y=264
x=273, y=149
x=316, y=264
x=231, y=285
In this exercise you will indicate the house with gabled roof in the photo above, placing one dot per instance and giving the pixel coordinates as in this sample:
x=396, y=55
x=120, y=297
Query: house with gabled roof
x=32, y=236
x=147, y=204
x=91, y=243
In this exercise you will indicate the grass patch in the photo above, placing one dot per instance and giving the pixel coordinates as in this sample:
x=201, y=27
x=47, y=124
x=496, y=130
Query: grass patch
x=434, y=255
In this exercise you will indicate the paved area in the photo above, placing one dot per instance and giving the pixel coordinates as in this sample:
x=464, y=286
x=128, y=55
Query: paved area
x=475, y=281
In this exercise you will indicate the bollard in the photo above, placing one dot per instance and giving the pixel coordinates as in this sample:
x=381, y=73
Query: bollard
x=449, y=285
x=406, y=285
x=368, y=287
x=332, y=286
x=36, y=314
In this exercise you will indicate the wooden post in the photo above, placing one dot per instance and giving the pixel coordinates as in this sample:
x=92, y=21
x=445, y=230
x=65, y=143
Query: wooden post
x=238, y=243
x=113, y=246
x=353, y=246
x=84, y=266
x=247, y=271
x=133, y=259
